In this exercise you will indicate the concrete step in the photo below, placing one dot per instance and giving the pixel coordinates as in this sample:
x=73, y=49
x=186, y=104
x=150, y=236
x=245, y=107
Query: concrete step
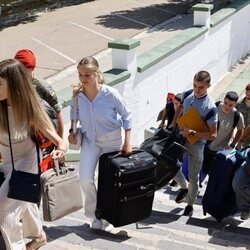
x=164, y=229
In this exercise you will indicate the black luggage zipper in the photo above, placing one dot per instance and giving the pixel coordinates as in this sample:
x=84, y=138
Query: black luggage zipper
x=147, y=180
x=148, y=194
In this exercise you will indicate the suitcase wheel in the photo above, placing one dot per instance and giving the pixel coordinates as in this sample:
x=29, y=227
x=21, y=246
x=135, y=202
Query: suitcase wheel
x=204, y=212
x=98, y=214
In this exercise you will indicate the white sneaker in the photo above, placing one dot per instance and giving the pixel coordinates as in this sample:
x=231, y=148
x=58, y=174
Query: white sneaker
x=107, y=227
x=96, y=224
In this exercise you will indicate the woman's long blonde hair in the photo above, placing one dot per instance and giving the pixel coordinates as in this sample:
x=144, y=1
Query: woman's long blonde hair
x=92, y=63
x=22, y=97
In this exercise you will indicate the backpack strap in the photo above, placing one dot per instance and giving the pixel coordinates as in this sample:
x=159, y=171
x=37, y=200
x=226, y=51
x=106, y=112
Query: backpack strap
x=186, y=94
x=236, y=118
x=218, y=103
x=210, y=114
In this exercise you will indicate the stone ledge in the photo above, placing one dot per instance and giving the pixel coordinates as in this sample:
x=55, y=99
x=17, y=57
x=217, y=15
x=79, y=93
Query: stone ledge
x=115, y=76
x=158, y=53
x=124, y=44
x=221, y=15
x=202, y=7
x=228, y=11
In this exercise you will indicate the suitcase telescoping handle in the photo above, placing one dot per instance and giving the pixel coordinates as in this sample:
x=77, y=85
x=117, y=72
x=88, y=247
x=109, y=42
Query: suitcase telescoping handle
x=61, y=169
x=57, y=167
x=121, y=153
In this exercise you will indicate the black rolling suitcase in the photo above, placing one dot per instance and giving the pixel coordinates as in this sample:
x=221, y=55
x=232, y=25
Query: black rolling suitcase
x=125, y=187
x=165, y=147
x=219, y=199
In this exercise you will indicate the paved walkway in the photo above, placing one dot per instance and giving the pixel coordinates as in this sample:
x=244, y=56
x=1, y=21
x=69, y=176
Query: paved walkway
x=166, y=228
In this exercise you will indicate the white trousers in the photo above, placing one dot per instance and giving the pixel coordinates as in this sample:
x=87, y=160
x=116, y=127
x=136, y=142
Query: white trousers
x=90, y=154
x=18, y=219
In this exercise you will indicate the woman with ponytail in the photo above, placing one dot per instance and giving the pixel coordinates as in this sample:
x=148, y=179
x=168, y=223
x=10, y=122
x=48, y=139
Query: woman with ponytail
x=102, y=114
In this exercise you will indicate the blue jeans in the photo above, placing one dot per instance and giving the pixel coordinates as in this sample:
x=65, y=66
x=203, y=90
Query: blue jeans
x=241, y=186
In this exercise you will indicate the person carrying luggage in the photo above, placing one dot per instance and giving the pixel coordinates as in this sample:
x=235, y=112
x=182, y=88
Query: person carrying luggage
x=173, y=102
x=243, y=106
x=228, y=119
x=200, y=100
x=241, y=181
x=241, y=186
x=102, y=114
x=20, y=105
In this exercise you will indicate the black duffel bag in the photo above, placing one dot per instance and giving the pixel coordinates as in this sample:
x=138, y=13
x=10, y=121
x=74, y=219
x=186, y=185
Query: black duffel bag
x=166, y=147
x=158, y=136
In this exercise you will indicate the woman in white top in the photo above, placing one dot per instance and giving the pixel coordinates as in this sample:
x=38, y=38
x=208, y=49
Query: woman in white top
x=20, y=103
x=102, y=113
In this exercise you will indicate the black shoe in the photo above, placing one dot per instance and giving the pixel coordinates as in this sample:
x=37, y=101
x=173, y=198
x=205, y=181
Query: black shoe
x=173, y=184
x=182, y=195
x=245, y=215
x=188, y=211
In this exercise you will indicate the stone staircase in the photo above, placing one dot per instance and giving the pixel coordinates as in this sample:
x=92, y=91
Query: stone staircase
x=165, y=229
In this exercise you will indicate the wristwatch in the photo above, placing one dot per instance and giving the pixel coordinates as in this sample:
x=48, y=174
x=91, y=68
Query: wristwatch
x=70, y=130
x=232, y=145
x=192, y=133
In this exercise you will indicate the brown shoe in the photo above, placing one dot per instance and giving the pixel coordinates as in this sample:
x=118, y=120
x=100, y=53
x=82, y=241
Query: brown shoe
x=37, y=242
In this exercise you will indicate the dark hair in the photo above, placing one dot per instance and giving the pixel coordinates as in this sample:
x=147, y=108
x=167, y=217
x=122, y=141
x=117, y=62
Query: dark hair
x=202, y=76
x=232, y=96
x=178, y=97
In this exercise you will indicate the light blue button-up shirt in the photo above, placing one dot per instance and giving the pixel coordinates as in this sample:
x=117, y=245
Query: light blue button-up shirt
x=106, y=113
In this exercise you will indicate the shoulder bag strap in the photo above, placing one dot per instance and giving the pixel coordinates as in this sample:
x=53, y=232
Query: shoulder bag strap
x=75, y=106
x=8, y=126
x=11, y=152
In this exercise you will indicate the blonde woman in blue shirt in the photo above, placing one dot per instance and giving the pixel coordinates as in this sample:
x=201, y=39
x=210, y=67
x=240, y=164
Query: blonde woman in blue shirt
x=102, y=114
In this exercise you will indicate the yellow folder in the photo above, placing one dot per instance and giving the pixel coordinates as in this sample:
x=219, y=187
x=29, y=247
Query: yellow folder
x=192, y=120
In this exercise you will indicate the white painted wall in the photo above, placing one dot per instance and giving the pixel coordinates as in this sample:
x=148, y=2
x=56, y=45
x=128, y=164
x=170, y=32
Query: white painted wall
x=216, y=51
